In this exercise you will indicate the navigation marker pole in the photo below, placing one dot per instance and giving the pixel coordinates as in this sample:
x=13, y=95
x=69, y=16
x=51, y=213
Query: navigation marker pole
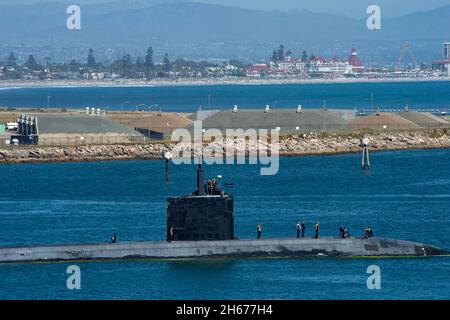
x=167, y=156
x=365, y=161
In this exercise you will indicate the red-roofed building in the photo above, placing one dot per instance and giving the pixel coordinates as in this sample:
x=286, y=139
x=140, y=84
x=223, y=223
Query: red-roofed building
x=442, y=65
x=354, y=61
x=256, y=70
x=319, y=59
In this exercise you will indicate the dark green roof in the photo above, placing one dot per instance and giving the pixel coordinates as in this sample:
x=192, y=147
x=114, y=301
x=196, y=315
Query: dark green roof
x=424, y=119
x=78, y=124
x=308, y=119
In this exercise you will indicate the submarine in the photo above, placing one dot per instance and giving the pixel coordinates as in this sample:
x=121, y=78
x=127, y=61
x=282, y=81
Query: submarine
x=201, y=225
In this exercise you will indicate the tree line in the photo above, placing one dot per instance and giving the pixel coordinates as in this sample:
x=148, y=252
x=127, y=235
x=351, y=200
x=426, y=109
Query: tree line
x=125, y=66
x=280, y=54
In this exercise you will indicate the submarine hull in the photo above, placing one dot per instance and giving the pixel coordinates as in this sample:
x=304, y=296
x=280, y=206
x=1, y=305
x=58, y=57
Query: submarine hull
x=276, y=247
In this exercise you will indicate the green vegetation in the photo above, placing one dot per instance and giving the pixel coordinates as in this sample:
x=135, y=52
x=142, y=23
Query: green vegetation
x=127, y=66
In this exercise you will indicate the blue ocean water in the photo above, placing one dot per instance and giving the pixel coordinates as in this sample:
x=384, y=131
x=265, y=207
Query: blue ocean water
x=430, y=94
x=406, y=196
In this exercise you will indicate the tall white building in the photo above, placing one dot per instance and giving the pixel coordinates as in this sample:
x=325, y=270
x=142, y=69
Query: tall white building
x=443, y=65
x=446, y=50
x=447, y=57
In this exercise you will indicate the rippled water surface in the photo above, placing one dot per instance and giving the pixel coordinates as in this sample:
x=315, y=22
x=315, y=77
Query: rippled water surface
x=431, y=94
x=405, y=196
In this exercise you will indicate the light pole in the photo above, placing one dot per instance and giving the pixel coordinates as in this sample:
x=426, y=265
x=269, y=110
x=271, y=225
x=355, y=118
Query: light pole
x=121, y=110
x=102, y=125
x=209, y=104
x=149, y=127
x=48, y=101
x=273, y=114
x=149, y=120
x=122, y=104
x=371, y=101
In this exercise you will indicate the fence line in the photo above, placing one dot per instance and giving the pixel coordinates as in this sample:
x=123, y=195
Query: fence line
x=163, y=134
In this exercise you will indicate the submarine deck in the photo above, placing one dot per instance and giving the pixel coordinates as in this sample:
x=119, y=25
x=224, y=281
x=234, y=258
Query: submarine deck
x=270, y=247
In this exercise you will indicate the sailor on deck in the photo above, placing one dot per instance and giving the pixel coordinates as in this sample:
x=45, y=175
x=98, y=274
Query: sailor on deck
x=171, y=234
x=341, y=231
x=368, y=233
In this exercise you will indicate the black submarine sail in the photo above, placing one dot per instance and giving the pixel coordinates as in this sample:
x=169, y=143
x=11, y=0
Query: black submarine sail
x=201, y=215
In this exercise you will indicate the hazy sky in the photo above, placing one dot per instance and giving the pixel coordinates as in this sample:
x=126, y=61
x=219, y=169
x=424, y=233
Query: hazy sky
x=353, y=8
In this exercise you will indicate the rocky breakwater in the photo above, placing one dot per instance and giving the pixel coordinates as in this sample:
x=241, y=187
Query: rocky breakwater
x=292, y=145
x=82, y=153
x=312, y=144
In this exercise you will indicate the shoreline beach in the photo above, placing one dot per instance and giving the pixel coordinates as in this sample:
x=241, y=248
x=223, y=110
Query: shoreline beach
x=10, y=84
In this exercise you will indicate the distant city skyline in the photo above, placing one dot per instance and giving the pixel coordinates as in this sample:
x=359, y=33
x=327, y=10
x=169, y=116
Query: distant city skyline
x=351, y=8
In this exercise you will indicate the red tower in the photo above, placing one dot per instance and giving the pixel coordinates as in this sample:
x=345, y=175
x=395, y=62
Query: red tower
x=354, y=59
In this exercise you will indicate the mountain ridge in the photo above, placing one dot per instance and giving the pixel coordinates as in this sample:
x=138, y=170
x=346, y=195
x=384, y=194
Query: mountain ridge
x=181, y=24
